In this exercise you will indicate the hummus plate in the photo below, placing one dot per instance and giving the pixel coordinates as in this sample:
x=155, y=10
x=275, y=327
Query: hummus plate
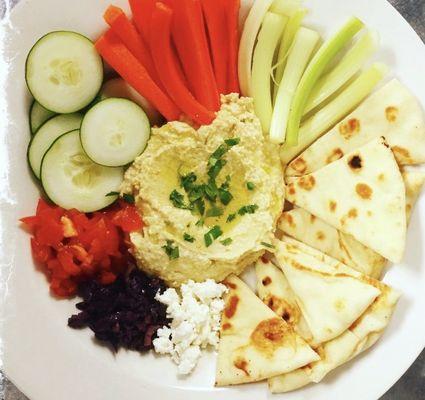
x=47, y=360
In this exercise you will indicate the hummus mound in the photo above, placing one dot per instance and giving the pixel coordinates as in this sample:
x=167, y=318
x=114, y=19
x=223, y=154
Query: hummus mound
x=254, y=176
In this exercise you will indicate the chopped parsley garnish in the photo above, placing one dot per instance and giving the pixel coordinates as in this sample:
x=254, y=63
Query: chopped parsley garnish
x=199, y=193
x=231, y=217
x=200, y=206
x=215, y=212
x=211, y=191
x=216, y=232
x=200, y=222
x=225, y=185
x=112, y=194
x=212, y=235
x=171, y=250
x=187, y=181
x=188, y=238
x=250, y=209
x=270, y=246
x=225, y=196
x=222, y=150
x=226, y=242
x=196, y=193
x=208, y=240
x=250, y=186
x=178, y=200
x=128, y=198
x=232, y=142
x=218, y=153
x=216, y=168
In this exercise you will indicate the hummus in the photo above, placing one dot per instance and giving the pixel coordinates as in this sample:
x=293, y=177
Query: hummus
x=210, y=198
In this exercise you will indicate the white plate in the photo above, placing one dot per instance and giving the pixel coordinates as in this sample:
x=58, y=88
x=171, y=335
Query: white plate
x=49, y=361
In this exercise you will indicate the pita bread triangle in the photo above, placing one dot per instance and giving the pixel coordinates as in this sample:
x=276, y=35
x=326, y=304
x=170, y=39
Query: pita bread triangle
x=329, y=298
x=362, y=334
x=274, y=290
x=362, y=194
x=255, y=343
x=392, y=112
x=305, y=227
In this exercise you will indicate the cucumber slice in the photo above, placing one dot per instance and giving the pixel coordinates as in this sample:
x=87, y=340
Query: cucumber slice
x=114, y=132
x=64, y=72
x=38, y=116
x=47, y=134
x=71, y=180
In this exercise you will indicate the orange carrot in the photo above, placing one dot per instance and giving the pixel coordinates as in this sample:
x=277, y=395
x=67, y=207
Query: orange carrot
x=116, y=54
x=165, y=63
x=215, y=20
x=191, y=42
x=232, y=9
x=127, y=32
x=142, y=15
x=142, y=12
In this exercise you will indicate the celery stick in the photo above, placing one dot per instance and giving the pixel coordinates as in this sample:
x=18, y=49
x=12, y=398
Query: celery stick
x=304, y=43
x=246, y=46
x=336, y=110
x=291, y=30
x=350, y=64
x=321, y=60
x=285, y=7
x=268, y=38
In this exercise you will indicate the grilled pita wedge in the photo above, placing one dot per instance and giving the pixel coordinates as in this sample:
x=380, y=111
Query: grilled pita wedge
x=362, y=334
x=362, y=194
x=330, y=299
x=255, y=343
x=274, y=290
x=305, y=227
x=345, y=347
x=392, y=112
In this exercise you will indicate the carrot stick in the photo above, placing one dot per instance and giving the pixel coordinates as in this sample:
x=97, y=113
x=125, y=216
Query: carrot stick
x=127, y=32
x=165, y=63
x=142, y=12
x=191, y=41
x=116, y=54
x=214, y=15
x=142, y=15
x=232, y=8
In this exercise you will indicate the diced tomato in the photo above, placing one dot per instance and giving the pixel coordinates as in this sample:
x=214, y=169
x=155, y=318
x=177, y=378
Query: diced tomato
x=41, y=253
x=105, y=263
x=43, y=205
x=45, y=210
x=56, y=270
x=63, y=288
x=49, y=232
x=80, y=221
x=30, y=222
x=66, y=259
x=107, y=277
x=128, y=219
x=76, y=247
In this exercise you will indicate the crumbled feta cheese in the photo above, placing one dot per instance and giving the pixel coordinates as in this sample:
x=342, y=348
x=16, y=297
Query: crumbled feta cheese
x=195, y=322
